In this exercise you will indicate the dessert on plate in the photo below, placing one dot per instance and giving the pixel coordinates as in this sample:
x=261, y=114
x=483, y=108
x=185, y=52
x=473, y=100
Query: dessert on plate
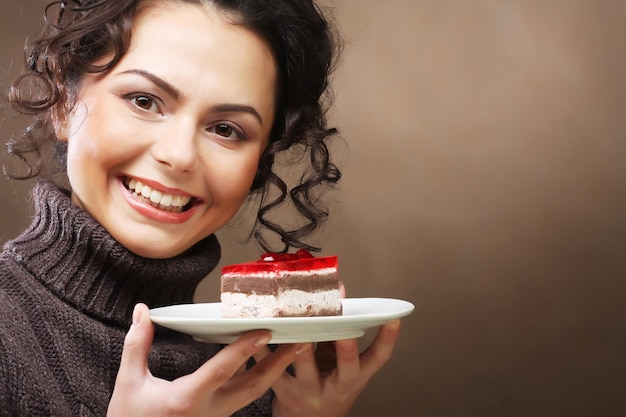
x=282, y=285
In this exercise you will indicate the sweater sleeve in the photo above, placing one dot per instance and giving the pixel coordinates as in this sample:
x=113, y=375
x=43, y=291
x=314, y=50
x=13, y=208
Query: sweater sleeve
x=17, y=380
x=5, y=396
x=8, y=374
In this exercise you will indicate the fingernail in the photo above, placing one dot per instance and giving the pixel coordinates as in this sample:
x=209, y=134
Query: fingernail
x=136, y=316
x=262, y=341
x=393, y=326
x=303, y=348
x=346, y=345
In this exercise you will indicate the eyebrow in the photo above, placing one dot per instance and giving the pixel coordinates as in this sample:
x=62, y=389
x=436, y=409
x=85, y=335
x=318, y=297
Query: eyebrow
x=238, y=108
x=158, y=81
x=175, y=93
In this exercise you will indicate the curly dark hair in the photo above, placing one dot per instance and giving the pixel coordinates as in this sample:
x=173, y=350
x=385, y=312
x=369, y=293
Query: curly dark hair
x=79, y=33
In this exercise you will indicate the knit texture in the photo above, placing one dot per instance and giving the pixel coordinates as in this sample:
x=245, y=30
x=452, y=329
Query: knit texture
x=67, y=292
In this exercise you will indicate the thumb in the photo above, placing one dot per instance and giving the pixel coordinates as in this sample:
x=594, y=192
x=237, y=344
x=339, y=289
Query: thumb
x=134, y=362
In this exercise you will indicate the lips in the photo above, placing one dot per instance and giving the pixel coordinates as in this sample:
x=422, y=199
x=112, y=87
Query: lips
x=157, y=198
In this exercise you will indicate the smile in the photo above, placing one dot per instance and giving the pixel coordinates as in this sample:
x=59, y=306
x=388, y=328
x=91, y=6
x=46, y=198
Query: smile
x=156, y=198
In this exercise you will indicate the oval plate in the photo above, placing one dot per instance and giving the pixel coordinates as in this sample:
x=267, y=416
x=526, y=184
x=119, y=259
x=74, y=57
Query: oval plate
x=205, y=323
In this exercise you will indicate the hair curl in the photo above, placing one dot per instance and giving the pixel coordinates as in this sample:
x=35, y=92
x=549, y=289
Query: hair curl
x=79, y=33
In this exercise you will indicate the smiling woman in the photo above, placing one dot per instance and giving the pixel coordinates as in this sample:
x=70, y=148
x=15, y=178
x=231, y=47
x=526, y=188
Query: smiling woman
x=163, y=135
x=60, y=59
x=183, y=143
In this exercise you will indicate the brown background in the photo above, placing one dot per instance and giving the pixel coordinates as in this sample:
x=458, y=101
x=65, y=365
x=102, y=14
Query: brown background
x=485, y=182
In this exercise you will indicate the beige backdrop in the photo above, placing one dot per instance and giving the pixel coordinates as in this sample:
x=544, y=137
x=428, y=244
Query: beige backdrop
x=484, y=182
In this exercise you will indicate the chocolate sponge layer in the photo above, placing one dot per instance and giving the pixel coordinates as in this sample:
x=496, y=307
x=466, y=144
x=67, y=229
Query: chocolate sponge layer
x=272, y=285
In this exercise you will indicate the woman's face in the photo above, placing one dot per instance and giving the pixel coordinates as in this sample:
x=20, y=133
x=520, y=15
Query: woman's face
x=163, y=149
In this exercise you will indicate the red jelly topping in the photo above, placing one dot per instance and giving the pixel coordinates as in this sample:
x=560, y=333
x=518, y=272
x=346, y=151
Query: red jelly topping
x=302, y=260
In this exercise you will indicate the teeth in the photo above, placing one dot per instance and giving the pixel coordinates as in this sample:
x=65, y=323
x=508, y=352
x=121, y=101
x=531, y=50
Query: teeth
x=178, y=201
x=166, y=200
x=146, y=191
x=158, y=198
x=155, y=197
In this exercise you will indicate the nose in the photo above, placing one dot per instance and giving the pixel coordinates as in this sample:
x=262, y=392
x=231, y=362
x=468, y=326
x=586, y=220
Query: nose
x=174, y=146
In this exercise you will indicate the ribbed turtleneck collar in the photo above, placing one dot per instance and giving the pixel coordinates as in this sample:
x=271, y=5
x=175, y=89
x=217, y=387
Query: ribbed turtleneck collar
x=81, y=263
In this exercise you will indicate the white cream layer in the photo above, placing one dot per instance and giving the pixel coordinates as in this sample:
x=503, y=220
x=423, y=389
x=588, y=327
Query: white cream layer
x=290, y=303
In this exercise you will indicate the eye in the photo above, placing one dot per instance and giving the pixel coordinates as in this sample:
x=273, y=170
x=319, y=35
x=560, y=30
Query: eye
x=227, y=131
x=145, y=103
x=224, y=130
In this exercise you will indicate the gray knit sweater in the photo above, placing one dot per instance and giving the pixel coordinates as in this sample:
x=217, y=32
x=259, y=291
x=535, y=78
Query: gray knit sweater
x=67, y=291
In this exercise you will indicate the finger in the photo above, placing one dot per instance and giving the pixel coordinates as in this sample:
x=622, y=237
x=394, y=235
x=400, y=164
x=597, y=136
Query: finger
x=261, y=354
x=381, y=349
x=267, y=372
x=284, y=380
x=348, y=361
x=306, y=367
x=134, y=361
x=219, y=369
x=242, y=368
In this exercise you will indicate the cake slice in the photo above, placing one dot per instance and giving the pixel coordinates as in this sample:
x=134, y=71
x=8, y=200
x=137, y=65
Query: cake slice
x=282, y=285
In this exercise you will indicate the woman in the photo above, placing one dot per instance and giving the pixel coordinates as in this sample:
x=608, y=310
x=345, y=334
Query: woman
x=164, y=134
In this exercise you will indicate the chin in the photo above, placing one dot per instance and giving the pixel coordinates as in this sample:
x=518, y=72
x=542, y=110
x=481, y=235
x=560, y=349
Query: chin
x=152, y=251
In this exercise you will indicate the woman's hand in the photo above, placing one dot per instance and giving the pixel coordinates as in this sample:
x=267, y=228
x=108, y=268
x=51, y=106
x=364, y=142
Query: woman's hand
x=327, y=383
x=219, y=387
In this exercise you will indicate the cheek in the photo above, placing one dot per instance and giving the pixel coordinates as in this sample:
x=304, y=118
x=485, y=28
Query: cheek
x=83, y=147
x=85, y=158
x=94, y=142
x=232, y=179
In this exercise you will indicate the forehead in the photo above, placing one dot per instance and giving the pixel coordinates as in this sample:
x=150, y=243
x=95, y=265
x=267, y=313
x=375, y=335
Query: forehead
x=197, y=43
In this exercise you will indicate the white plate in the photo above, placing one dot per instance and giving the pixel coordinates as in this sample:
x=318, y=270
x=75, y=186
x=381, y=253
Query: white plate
x=205, y=322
